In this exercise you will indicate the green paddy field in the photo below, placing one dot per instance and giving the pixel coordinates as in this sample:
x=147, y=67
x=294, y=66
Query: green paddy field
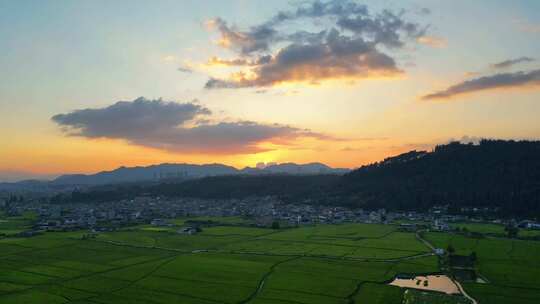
x=511, y=267
x=348, y=263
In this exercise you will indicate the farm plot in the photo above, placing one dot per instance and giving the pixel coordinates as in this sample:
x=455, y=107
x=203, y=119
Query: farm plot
x=374, y=293
x=15, y=224
x=512, y=267
x=314, y=280
x=485, y=228
x=365, y=241
x=223, y=264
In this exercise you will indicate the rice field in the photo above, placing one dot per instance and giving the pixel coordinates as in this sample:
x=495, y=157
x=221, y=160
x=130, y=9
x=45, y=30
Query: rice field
x=349, y=263
x=511, y=266
x=15, y=224
x=221, y=264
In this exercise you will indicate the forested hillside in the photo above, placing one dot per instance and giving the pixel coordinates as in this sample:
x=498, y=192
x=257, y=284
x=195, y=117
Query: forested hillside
x=503, y=174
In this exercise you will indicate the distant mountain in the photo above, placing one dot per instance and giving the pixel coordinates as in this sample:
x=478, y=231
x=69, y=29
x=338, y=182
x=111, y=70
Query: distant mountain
x=24, y=185
x=188, y=171
x=11, y=176
x=292, y=168
x=154, y=172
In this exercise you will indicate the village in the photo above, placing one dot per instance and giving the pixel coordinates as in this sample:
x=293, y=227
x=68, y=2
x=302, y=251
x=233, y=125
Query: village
x=264, y=211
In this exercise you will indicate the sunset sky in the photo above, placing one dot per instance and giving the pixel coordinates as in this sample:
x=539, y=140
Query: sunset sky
x=87, y=86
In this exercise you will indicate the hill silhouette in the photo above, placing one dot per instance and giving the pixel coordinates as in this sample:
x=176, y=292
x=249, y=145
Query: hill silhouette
x=188, y=171
x=494, y=173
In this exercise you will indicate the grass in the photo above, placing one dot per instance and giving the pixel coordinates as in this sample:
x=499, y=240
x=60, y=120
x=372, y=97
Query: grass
x=527, y=233
x=484, y=228
x=15, y=224
x=347, y=263
x=379, y=294
x=493, y=294
x=512, y=267
x=146, y=264
x=494, y=229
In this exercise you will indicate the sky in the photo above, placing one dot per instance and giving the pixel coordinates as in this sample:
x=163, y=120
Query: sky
x=87, y=86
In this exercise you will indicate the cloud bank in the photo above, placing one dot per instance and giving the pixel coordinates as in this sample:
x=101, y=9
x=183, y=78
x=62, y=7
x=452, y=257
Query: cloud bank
x=177, y=127
x=497, y=81
x=346, y=41
x=510, y=62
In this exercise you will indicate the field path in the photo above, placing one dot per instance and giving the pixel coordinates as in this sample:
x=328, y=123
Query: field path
x=263, y=280
x=61, y=281
x=194, y=251
x=424, y=241
x=166, y=261
x=465, y=294
x=461, y=289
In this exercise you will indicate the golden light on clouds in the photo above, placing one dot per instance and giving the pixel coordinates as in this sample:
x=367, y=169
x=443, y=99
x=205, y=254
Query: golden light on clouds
x=306, y=82
x=341, y=49
x=217, y=62
x=307, y=75
x=433, y=41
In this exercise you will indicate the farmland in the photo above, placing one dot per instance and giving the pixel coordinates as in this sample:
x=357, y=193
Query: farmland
x=15, y=224
x=511, y=267
x=230, y=263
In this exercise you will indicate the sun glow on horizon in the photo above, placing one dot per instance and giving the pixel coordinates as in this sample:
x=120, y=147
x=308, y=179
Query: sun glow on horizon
x=240, y=83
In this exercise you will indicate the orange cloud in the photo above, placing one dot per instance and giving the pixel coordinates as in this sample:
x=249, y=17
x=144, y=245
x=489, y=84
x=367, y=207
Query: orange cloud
x=433, y=41
x=305, y=64
x=216, y=61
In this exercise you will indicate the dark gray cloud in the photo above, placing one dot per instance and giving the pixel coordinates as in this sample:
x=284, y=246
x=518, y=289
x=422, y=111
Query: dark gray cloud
x=425, y=11
x=338, y=57
x=258, y=38
x=347, y=44
x=386, y=28
x=178, y=127
x=129, y=118
x=511, y=62
x=497, y=81
x=185, y=69
x=319, y=9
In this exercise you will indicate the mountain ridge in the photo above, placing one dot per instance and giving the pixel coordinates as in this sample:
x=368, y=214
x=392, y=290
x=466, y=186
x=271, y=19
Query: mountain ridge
x=189, y=171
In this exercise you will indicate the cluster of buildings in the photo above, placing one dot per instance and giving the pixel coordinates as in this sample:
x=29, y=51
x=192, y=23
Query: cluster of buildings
x=263, y=210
